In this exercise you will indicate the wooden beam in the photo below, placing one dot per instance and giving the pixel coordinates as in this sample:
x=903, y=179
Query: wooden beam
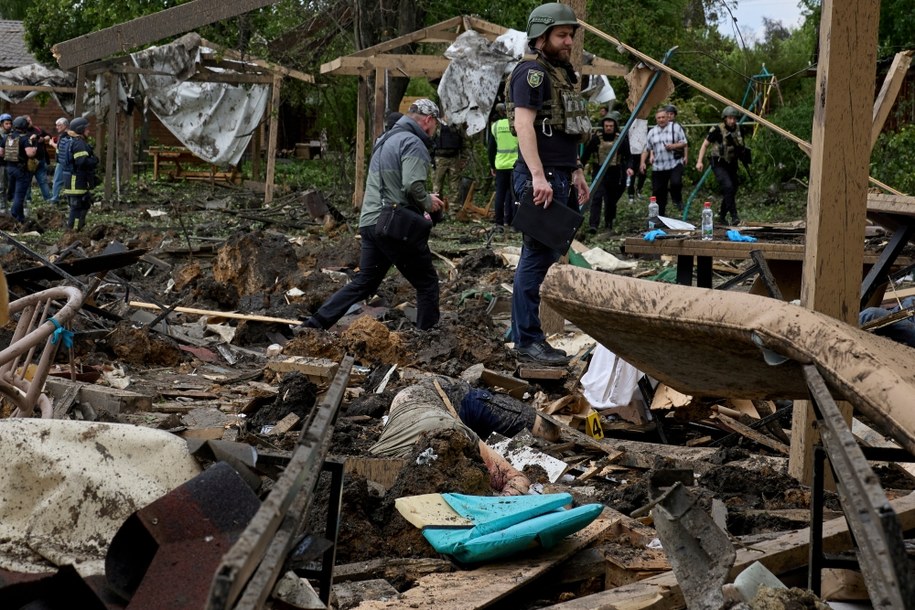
x=889, y=91
x=207, y=76
x=780, y=555
x=650, y=61
x=80, y=92
x=599, y=66
x=361, y=108
x=39, y=88
x=112, y=139
x=429, y=66
x=484, y=27
x=380, y=93
x=141, y=31
x=415, y=36
x=271, y=141
x=262, y=63
x=837, y=198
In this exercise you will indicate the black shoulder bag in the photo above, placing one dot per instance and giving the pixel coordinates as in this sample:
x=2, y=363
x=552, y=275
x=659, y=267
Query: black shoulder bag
x=399, y=222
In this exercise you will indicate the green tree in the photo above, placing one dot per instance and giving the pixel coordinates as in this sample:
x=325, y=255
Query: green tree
x=13, y=9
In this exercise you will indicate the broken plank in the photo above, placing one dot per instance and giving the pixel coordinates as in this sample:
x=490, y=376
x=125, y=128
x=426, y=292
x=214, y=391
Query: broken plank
x=395, y=569
x=220, y=314
x=284, y=425
x=753, y=435
x=482, y=587
x=316, y=369
x=541, y=372
x=101, y=398
x=383, y=471
x=779, y=555
x=512, y=385
x=65, y=401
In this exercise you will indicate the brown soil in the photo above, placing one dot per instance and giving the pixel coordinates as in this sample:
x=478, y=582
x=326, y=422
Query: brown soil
x=140, y=346
x=296, y=395
x=256, y=262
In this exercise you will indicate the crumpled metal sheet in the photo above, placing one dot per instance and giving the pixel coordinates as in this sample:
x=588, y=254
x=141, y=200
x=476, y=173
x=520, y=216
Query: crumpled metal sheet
x=215, y=121
x=67, y=486
x=478, y=68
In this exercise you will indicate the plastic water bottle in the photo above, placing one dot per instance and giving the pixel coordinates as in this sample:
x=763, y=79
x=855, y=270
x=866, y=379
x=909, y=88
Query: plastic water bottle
x=653, y=211
x=707, y=225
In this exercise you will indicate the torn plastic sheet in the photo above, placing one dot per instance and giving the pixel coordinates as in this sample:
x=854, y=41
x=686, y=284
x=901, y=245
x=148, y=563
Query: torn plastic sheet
x=36, y=75
x=215, y=121
x=471, y=82
x=472, y=79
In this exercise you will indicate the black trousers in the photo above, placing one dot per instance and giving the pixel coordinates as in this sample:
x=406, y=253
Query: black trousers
x=376, y=257
x=667, y=181
x=726, y=174
x=606, y=196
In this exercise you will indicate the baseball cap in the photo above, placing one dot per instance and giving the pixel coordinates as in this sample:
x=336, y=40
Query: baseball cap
x=425, y=106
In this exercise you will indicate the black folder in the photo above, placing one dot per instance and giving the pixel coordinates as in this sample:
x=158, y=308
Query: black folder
x=554, y=227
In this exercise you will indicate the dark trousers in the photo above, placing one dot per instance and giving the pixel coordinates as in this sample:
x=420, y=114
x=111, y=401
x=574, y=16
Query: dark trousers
x=20, y=181
x=79, y=207
x=667, y=181
x=637, y=183
x=606, y=196
x=535, y=261
x=377, y=256
x=726, y=174
x=505, y=202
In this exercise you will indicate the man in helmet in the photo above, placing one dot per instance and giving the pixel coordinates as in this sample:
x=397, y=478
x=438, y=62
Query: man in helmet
x=6, y=126
x=550, y=119
x=727, y=149
x=80, y=180
x=19, y=148
x=665, y=150
x=611, y=187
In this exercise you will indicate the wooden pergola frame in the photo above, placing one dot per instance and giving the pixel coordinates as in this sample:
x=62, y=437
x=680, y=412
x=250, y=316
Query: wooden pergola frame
x=246, y=71
x=378, y=61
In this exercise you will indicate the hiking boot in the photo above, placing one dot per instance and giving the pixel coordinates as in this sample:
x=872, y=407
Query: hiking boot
x=307, y=324
x=543, y=353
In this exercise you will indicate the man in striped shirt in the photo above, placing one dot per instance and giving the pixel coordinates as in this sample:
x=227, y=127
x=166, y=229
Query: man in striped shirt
x=665, y=151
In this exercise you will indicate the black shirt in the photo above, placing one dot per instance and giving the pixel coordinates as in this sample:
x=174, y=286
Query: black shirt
x=530, y=88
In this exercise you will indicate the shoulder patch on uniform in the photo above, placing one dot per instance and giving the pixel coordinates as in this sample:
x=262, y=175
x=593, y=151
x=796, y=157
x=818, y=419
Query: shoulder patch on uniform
x=534, y=77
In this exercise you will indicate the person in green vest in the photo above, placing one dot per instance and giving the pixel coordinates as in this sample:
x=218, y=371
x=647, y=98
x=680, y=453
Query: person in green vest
x=503, y=152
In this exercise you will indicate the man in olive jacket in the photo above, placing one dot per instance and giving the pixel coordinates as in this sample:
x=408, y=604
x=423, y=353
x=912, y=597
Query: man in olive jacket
x=397, y=175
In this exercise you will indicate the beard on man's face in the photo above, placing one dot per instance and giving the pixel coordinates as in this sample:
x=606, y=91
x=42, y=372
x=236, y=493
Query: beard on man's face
x=556, y=53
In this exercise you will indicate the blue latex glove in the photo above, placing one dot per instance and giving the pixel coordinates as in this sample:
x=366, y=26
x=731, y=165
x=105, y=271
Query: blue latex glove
x=650, y=235
x=734, y=235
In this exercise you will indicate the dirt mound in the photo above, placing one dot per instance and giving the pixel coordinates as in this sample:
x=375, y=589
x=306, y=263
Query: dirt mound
x=142, y=347
x=296, y=395
x=457, y=342
x=480, y=260
x=457, y=468
x=371, y=342
x=256, y=262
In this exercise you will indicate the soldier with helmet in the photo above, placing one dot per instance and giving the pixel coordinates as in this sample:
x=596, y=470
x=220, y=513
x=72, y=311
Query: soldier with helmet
x=550, y=119
x=727, y=150
x=19, y=151
x=611, y=187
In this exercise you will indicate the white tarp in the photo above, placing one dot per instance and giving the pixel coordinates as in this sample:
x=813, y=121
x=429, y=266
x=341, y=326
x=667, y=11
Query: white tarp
x=215, y=121
x=67, y=486
x=472, y=79
x=610, y=382
x=36, y=75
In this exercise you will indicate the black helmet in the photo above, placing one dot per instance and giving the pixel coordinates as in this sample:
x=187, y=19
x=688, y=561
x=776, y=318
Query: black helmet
x=546, y=16
x=729, y=111
x=615, y=115
x=670, y=108
x=79, y=125
x=20, y=123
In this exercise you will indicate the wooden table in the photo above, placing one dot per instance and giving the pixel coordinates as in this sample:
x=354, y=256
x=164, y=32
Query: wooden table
x=179, y=160
x=785, y=259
